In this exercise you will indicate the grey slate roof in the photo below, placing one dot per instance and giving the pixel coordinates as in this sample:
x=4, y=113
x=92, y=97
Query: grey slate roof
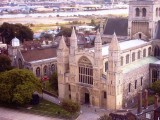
x=117, y=25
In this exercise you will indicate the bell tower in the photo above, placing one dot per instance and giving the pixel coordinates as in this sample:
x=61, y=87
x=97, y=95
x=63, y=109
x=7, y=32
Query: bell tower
x=114, y=79
x=143, y=19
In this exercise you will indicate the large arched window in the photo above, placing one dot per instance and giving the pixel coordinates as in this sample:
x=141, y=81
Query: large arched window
x=149, y=51
x=144, y=12
x=106, y=66
x=144, y=53
x=38, y=72
x=121, y=61
x=127, y=59
x=85, y=71
x=139, y=54
x=45, y=70
x=133, y=56
x=137, y=12
x=154, y=75
x=20, y=63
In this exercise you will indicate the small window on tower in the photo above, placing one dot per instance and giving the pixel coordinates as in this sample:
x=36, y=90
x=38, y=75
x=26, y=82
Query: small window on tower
x=69, y=87
x=104, y=95
x=69, y=96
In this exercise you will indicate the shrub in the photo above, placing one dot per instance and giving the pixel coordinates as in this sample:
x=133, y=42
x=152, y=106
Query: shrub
x=156, y=86
x=105, y=117
x=70, y=106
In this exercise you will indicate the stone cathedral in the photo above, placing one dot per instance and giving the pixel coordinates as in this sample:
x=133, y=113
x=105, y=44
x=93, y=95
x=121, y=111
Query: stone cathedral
x=109, y=76
x=123, y=61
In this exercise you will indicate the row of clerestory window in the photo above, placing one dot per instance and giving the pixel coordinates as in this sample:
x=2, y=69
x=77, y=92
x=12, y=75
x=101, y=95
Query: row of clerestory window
x=135, y=84
x=133, y=57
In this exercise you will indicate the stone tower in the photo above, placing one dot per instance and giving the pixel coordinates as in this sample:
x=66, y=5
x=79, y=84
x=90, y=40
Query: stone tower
x=73, y=77
x=12, y=50
x=62, y=66
x=114, y=79
x=98, y=56
x=143, y=19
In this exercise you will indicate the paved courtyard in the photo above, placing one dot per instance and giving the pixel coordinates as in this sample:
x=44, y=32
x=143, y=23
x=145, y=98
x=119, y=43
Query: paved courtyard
x=10, y=114
x=91, y=113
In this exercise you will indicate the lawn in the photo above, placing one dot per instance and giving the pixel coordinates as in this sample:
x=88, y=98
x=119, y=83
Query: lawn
x=51, y=109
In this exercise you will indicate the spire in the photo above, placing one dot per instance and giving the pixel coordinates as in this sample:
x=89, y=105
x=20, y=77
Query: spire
x=114, y=45
x=62, y=44
x=73, y=39
x=98, y=38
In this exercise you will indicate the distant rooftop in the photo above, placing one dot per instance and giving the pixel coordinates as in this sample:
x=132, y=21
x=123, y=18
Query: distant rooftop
x=117, y=25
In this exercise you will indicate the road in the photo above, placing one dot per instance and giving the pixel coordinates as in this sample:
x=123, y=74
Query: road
x=10, y=114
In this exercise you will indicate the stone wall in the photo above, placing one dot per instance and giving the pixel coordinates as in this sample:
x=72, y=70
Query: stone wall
x=131, y=77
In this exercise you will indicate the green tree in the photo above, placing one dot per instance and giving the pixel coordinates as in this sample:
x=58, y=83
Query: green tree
x=65, y=31
x=17, y=86
x=156, y=86
x=54, y=81
x=9, y=31
x=93, y=23
x=5, y=63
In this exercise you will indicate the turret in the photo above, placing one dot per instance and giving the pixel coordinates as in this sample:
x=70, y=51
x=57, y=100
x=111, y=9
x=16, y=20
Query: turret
x=114, y=79
x=62, y=65
x=13, y=49
x=98, y=49
x=73, y=42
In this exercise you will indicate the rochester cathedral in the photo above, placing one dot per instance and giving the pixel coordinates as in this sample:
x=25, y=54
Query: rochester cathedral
x=109, y=75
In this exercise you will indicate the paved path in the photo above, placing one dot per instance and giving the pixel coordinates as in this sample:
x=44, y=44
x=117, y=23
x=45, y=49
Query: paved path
x=91, y=113
x=10, y=114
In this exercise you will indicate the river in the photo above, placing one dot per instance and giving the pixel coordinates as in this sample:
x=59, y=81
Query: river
x=84, y=13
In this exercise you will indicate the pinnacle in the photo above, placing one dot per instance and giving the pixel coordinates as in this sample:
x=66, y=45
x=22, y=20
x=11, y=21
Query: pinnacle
x=114, y=45
x=62, y=43
x=98, y=38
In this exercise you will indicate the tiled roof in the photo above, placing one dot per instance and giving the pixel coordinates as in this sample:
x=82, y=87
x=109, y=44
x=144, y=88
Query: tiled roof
x=39, y=54
x=117, y=25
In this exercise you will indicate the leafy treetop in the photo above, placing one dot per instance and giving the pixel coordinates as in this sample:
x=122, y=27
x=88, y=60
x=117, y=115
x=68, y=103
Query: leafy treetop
x=9, y=31
x=5, y=63
x=17, y=86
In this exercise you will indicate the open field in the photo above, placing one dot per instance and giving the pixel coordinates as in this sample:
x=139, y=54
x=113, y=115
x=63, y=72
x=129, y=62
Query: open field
x=39, y=20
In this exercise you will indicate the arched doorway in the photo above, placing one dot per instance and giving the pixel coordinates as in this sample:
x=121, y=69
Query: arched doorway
x=85, y=96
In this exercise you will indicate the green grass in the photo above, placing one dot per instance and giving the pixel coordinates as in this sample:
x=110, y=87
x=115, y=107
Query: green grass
x=50, y=109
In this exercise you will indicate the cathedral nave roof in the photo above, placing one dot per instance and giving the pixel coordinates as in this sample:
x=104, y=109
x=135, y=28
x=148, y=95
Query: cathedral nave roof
x=124, y=45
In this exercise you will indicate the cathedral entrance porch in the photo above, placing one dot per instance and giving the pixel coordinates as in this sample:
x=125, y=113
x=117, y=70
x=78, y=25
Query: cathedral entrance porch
x=87, y=101
x=85, y=96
